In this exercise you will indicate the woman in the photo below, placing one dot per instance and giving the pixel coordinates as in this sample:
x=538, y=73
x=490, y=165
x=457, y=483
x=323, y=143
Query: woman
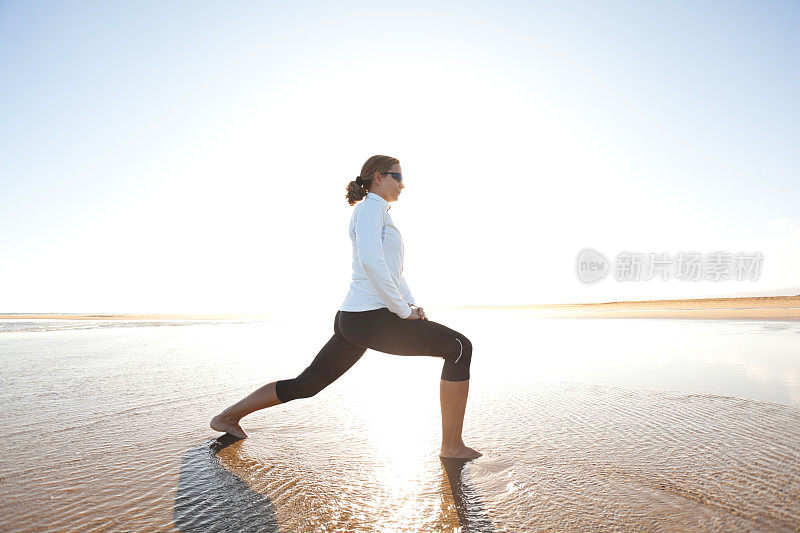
x=379, y=313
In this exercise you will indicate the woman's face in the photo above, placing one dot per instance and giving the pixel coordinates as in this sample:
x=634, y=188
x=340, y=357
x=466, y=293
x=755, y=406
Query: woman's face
x=389, y=188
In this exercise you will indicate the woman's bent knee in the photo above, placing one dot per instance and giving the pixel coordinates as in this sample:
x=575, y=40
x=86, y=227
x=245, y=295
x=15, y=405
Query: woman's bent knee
x=457, y=360
x=305, y=385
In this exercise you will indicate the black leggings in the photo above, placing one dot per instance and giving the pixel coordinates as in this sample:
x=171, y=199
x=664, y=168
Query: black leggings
x=384, y=331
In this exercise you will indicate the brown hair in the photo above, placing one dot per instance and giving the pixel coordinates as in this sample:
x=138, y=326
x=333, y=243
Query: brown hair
x=358, y=188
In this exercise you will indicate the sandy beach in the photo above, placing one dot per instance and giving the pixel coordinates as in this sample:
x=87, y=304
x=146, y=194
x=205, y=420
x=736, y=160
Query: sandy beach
x=750, y=308
x=130, y=316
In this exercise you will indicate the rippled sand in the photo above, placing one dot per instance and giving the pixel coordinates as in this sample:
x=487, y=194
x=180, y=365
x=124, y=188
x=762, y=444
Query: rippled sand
x=612, y=424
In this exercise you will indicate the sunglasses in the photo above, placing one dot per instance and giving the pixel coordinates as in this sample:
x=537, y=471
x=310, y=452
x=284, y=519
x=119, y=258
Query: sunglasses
x=395, y=175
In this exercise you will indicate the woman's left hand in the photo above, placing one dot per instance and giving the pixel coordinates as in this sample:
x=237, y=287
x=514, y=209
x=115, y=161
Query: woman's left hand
x=422, y=314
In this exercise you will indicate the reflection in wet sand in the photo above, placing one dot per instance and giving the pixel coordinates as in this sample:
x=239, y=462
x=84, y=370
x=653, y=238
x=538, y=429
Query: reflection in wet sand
x=562, y=457
x=470, y=510
x=210, y=497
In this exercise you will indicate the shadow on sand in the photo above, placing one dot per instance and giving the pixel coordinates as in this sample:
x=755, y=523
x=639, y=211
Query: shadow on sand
x=210, y=498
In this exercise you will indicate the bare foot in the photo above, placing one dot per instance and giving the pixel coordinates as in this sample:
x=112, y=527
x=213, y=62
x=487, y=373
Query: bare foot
x=460, y=452
x=227, y=425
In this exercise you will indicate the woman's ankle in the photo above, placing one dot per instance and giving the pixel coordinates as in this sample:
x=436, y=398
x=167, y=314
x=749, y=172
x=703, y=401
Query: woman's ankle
x=452, y=444
x=228, y=416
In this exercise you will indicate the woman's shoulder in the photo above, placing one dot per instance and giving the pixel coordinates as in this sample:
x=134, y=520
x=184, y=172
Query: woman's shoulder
x=371, y=208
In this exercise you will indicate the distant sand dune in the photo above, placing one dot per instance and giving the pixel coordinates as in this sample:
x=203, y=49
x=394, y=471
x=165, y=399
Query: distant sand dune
x=750, y=308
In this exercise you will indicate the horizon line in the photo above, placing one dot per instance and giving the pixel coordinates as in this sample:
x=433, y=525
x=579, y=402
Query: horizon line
x=219, y=316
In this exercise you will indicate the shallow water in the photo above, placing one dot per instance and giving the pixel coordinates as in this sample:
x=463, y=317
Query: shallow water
x=629, y=424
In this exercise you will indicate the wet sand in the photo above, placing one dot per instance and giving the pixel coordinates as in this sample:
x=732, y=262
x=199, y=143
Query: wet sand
x=671, y=425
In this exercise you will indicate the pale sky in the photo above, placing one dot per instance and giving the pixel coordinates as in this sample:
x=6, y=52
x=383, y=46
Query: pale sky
x=193, y=157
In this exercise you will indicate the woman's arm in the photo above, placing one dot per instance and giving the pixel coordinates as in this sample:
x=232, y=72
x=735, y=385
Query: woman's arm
x=370, y=256
x=405, y=291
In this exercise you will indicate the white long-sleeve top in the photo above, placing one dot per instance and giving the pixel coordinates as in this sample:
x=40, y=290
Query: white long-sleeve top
x=377, y=260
